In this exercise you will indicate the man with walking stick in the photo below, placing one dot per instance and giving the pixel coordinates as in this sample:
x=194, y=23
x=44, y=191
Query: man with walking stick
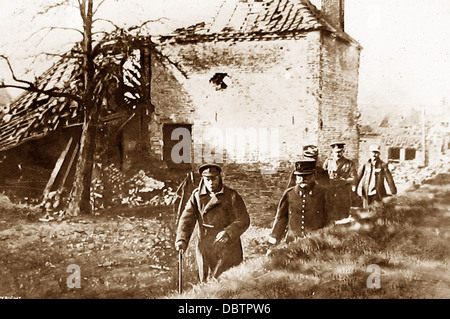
x=221, y=216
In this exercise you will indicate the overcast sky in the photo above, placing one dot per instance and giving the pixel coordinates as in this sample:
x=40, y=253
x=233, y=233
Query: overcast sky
x=405, y=60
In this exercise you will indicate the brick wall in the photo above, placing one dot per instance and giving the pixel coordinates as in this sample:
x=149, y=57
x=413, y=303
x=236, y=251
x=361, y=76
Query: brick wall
x=271, y=88
x=339, y=93
x=261, y=192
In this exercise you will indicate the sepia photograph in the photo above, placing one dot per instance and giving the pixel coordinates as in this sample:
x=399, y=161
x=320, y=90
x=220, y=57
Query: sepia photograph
x=247, y=150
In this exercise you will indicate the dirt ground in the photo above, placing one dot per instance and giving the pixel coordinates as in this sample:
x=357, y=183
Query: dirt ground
x=120, y=254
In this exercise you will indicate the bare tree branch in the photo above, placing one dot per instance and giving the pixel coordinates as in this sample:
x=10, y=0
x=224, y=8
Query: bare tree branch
x=147, y=22
x=36, y=32
x=50, y=8
x=51, y=92
x=49, y=29
x=29, y=86
x=12, y=72
x=98, y=7
x=106, y=20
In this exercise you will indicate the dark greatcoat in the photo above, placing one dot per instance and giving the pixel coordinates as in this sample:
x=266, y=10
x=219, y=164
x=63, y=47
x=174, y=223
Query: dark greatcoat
x=382, y=174
x=342, y=176
x=299, y=212
x=224, y=212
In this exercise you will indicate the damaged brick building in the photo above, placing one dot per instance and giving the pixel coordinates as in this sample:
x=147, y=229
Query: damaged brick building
x=251, y=85
x=278, y=70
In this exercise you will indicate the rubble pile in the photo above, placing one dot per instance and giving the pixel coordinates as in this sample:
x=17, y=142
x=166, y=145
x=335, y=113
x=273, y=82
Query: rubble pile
x=410, y=172
x=53, y=203
x=114, y=188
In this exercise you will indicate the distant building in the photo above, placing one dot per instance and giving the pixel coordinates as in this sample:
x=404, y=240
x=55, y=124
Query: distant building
x=404, y=132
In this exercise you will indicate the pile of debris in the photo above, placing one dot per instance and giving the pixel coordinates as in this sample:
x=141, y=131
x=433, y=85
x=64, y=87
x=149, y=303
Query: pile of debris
x=411, y=173
x=53, y=203
x=114, y=188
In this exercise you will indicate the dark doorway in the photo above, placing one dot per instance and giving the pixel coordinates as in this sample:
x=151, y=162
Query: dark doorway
x=177, y=145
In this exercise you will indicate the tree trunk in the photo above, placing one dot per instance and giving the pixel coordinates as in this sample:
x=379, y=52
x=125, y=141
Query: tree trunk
x=80, y=199
x=146, y=106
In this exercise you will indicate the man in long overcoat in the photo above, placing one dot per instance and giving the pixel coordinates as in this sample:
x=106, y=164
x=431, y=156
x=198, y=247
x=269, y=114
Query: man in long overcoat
x=371, y=177
x=342, y=176
x=302, y=208
x=222, y=218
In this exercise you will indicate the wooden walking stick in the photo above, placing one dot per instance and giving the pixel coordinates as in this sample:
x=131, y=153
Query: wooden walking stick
x=180, y=271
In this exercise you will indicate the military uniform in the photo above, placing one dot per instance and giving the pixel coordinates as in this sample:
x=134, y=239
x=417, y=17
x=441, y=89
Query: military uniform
x=214, y=213
x=311, y=152
x=300, y=210
x=341, y=178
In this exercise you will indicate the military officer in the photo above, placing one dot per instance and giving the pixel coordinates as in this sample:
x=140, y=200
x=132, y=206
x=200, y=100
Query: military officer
x=342, y=177
x=302, y=208
x=222, y=218
x=311, y=152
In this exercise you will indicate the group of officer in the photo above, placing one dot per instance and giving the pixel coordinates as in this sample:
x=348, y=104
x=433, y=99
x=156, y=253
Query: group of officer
x=315, y=197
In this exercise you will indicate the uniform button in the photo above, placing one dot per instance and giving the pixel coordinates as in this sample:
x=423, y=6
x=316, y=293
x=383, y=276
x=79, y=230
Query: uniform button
x=303, y=221
x=303, y=227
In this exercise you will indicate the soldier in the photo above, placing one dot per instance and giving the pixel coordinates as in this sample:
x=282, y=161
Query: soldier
x=302, y=208
x=222, y=218
x=342, y=176
x=312, y=152
x=371, y=178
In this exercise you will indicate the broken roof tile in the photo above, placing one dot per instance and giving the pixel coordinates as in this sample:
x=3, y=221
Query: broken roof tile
x=253, y=20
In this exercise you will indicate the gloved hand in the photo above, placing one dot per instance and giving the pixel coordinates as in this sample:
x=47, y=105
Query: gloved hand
x=272, y=242
x=222, y=237
x=180, y=245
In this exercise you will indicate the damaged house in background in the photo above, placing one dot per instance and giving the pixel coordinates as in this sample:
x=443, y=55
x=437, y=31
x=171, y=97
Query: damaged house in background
x=251, y=86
